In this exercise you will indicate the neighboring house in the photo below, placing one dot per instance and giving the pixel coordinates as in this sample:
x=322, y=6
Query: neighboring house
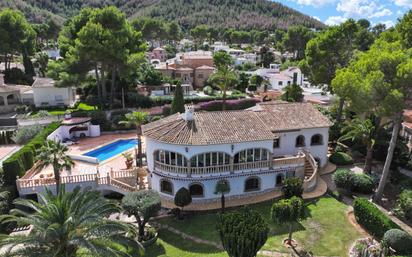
x=13, y=95
x=406, y=130
x=279, y=79
x=163, y=90
x=157, y=54
x=253, y=150
x=46, y=94
x=192, y=68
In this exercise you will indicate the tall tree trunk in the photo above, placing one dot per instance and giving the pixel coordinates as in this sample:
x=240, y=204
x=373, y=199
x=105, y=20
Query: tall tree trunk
x=224, y=100
x=139, y=146
x=141, y=227
x=290, y=233
x=99, y=89
x=388, y=161
x=112, y=86
x=222, y=200
x=103, y=81
x=369, y=158
x=57, y=178
x=340, y=110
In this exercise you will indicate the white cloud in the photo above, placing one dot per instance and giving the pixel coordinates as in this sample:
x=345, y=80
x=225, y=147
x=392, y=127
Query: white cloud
x=315, y=3
x=335, y=20
x=388, y=23
x=362, y=9
x=403, y=3
x=381, y=13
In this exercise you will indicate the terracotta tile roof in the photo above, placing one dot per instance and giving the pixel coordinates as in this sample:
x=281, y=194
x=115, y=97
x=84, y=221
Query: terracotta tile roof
x=256, y=124
x=209, y=128
x=205, y=67
x=279, y=116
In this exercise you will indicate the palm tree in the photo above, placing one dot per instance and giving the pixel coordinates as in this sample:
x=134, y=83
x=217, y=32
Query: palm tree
x=54, y=153
x=222, y=187
x=224, y=78
x=136, y=119
x=69, y=224
x=363, y=130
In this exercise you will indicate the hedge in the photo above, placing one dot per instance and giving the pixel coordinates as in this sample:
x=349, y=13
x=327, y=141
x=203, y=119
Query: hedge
x=22, y=160
x=371, y=218
x=341, y=158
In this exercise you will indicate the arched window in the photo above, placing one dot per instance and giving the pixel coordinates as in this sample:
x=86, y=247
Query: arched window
x=252, y=184
x=11, y=99
x=166, y=187
x=300, y=141
x=316, y=140
x=279, y=180
x=1, y=100
x=210, y=159
x=196, y=190
x=170, y=158
x=251, y=155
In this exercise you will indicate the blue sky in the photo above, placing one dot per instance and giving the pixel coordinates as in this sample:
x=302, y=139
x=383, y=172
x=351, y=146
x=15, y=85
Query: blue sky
x=334, y=12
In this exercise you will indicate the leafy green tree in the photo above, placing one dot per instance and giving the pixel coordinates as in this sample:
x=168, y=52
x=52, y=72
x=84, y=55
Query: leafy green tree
x=182, y=198
x=42, y=60
x=142, y=205
x=242, y=232
x=243, y=82
x=266, y=56
x=225, y=78
x=296, y=39
x=288, y=211
x=293, y=93
x=174, y=32
x=137, y=119
x=178, y=102
x=149, y=76
x=55, y=154
x=365, y=131
x=222, y=59
x=200, y=33
x=17, y=36
x=70, y=225
x=222, y=187
x=292, y=187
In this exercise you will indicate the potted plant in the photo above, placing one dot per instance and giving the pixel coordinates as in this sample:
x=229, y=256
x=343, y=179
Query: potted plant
x=129, y=160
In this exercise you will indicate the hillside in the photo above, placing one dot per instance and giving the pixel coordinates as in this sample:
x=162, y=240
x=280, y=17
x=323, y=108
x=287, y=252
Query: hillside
x=241, y=14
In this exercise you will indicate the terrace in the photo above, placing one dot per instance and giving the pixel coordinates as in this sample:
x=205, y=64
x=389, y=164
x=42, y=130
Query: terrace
x=109, y=175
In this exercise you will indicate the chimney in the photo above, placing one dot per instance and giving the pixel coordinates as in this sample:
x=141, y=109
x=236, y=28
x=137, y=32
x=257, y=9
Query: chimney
x=189, y=112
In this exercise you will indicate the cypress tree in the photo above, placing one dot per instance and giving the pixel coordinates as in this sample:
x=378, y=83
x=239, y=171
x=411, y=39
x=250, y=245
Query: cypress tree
x=178, y=103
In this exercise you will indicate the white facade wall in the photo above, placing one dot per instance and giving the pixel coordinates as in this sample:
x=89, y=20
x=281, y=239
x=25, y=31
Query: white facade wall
x=288, y=143
x=53, y=96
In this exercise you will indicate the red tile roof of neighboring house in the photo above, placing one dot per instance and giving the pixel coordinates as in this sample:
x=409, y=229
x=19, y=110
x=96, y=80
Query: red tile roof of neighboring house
x=205, y=67
x=75, y=121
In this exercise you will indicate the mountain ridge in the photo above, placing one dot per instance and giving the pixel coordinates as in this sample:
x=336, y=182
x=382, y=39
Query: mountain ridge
x=238, y=14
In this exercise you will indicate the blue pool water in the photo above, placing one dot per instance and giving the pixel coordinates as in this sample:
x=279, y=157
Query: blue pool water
x=108, y=151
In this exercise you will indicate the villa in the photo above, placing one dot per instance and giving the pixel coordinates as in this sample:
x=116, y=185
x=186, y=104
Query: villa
x=253, y=150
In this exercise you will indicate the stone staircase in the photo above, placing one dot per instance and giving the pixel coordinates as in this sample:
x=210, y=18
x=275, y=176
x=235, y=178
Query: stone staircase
x=308, y=169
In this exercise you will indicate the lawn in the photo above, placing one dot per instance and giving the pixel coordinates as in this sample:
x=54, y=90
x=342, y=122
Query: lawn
x=61, y=111
x=325, y=232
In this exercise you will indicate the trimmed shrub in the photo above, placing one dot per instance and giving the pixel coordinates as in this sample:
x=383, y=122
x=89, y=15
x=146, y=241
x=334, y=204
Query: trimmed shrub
x=362, y=183
x=371, y=218
x=403, y=207
x=292, y=187
x=398, y=240
x=341, y=158
x=22, y=160
x=343, y=178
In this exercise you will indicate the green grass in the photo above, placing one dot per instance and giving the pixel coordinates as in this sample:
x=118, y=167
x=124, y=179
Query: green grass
x=325, y=232
x=60, y=111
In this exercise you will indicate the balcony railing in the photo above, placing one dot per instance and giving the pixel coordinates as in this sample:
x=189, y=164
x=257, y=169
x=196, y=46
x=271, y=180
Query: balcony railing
x=275, y=163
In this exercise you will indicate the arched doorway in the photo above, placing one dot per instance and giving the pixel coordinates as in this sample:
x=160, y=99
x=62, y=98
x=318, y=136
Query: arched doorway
x=196, y=190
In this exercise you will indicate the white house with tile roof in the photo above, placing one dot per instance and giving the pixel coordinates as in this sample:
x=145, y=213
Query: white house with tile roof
x=253, y=150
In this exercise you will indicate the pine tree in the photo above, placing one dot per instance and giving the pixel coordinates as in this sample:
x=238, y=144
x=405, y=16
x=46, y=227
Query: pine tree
x=178, y=103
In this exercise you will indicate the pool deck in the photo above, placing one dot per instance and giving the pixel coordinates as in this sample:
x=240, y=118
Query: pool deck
x=88, y=144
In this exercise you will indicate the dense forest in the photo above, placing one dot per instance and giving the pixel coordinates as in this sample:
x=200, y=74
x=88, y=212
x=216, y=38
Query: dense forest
x=239, y=14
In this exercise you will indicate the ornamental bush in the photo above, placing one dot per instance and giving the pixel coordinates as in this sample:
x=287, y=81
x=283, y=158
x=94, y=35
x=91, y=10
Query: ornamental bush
x=403, y=207
x=292, y=187
x=242, y=232
x=182, y=197
x=371, y=218
x=24, y=134
x=398, y=240
x=341, y=158
x=343, y=178
x=362, y=183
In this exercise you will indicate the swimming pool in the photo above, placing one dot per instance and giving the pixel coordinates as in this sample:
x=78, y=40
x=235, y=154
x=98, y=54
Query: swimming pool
x=108, y=151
